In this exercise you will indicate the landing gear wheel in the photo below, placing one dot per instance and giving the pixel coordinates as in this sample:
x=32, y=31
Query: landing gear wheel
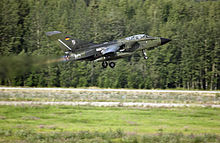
x=112, y=64
x=145, y=58
x=145, y=55
x=104, y=64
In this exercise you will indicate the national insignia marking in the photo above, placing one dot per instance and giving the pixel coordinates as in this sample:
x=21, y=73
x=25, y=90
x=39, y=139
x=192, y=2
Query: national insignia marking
x=67, y=38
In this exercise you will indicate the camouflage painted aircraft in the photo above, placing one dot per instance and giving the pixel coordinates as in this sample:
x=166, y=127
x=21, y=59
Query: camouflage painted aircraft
x=106, y=52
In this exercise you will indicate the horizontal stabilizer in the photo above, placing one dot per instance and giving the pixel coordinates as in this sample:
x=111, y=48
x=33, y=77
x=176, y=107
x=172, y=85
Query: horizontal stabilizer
x=54, y=34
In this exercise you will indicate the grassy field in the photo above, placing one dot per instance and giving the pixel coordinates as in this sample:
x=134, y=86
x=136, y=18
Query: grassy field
x=18, y=122
x=63, y=123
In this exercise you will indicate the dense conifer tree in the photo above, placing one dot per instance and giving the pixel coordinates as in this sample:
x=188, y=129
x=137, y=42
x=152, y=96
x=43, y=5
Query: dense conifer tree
x=190, y=61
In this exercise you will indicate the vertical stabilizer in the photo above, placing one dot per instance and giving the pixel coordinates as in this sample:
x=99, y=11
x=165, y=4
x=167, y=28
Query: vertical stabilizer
x=67, y=42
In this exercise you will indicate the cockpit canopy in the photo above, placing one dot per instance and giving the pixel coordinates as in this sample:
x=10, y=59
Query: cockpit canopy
x=137, y=37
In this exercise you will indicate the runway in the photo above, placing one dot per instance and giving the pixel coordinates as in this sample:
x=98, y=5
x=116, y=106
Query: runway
x=109, y=90
x=107, y=104
x=48, y=92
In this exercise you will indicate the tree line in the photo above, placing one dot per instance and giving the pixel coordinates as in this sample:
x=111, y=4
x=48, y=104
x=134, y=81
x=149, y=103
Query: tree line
x=190, y=61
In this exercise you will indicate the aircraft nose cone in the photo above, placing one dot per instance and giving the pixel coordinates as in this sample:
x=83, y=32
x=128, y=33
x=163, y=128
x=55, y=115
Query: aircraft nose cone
x=164, y=40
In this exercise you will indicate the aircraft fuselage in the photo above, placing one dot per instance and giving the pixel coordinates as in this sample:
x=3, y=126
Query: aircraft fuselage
x=78, y=50
x=94, y=52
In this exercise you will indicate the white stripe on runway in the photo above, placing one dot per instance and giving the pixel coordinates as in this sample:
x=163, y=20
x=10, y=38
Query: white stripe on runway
x=107, y=104
x=109, y=90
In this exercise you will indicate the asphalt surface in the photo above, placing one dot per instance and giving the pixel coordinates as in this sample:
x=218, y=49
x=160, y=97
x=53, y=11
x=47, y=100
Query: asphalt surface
x=108, y=90
x=108, y=104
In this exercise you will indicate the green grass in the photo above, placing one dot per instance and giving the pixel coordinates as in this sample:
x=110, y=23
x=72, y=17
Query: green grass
x=152, y=120
x=41, y=123
x=104, y=124
x=118, y=136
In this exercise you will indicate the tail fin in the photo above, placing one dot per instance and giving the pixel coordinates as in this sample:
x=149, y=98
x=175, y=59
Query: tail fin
x=67, y=41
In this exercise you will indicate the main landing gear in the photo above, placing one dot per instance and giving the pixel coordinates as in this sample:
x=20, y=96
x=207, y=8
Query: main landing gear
x=105, y=64
x=112, y=64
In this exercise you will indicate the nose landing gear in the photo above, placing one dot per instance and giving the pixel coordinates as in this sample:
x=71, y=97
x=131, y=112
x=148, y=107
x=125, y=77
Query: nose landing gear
x=145, y=55
x=105, y=64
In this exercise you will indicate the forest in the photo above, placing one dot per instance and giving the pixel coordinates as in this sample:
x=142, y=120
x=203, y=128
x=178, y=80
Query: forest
x=190, y=61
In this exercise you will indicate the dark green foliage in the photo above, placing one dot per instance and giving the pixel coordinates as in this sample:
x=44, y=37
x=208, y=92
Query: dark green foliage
x=117, y=136
x=190, y=61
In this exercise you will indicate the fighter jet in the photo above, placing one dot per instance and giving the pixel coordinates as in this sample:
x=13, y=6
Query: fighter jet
x=106, y=52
